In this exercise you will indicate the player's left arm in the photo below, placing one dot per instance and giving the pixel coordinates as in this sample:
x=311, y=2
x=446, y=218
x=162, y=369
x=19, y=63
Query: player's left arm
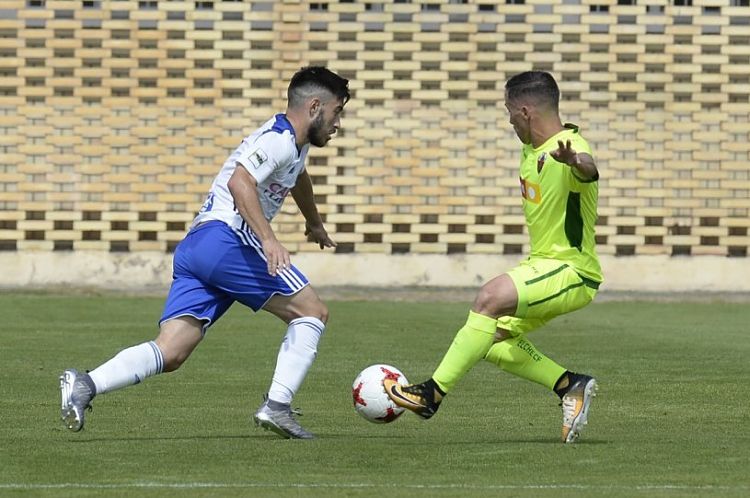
x=302, y=192
x=583, y=165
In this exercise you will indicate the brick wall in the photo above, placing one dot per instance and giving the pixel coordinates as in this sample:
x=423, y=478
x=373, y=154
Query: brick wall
x=115, y=116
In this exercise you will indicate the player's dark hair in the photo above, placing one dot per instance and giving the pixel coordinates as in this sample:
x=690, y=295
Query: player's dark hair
x=312, y=79
x=539, y=86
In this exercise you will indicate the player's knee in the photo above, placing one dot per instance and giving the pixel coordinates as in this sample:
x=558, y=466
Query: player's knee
x=484, y=303
x=319, y=312
x=496, y=298
x=173, y=362
x=177, y=339
x=174, y=354
x=322, y=314
x=314, y=308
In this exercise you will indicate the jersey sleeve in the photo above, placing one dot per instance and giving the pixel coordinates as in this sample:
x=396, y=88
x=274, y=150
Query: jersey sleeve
x=265, y=155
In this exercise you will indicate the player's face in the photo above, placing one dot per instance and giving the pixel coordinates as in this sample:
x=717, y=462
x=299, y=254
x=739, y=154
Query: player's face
x=519, y=118
x=326, y=122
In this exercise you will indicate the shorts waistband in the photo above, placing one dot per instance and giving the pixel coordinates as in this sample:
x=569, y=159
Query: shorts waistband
x=206, y=224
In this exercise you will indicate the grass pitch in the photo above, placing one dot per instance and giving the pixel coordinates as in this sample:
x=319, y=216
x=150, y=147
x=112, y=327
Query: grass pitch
x=671, y=418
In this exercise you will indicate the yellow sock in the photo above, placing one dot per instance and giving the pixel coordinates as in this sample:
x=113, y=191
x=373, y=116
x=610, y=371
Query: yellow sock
x=519, y=357
x=469, y=346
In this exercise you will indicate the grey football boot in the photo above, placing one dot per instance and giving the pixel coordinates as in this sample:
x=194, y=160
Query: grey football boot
x=76, y=390
x=280, y=420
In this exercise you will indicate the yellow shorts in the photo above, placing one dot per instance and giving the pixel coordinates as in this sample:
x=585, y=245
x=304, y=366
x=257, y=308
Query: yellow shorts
x=546, y=288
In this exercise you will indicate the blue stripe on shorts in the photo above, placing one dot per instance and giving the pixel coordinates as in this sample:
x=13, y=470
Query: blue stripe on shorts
x=214, y=266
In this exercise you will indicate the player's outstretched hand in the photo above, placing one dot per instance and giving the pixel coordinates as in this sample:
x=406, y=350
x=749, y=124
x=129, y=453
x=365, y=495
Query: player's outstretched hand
x=565, y=153
x=318, y=234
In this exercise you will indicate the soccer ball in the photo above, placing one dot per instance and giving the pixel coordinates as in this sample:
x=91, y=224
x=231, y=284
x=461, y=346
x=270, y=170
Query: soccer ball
x=368, y=394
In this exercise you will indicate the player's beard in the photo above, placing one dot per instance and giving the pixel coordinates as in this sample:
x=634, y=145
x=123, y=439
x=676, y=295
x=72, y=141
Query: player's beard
x=318, y=134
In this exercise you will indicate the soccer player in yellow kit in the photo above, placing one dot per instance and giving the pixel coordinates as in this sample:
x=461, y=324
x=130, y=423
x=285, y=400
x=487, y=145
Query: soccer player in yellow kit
x=562, y=273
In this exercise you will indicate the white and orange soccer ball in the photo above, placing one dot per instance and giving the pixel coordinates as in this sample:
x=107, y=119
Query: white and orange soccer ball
x=368, y=393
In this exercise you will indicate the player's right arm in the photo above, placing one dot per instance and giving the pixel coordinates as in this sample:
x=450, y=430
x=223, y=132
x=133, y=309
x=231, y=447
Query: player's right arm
x=244, y=189
x=581, y=162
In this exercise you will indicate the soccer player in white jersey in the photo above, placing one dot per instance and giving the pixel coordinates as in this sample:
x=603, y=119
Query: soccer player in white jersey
x=232, y=254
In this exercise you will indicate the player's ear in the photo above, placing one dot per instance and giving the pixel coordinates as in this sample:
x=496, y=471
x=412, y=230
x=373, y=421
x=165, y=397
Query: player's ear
x=314, y=106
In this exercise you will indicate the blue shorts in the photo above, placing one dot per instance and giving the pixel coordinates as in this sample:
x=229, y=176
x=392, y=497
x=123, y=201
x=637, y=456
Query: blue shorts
x=214, y=266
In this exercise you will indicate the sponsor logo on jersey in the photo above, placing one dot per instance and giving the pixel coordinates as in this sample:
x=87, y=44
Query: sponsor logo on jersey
x=531, y=191
x=276, y=193
x=257, y=158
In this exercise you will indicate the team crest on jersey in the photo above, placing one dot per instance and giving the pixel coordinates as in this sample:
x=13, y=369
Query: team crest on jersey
x=531, y=191
x=540, y=162
x=257, y=158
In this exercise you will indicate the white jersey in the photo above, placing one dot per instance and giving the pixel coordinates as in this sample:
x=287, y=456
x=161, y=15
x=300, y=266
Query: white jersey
x=271, y=156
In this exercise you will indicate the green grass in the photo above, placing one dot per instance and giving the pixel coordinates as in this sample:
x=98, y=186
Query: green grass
x=671, y=418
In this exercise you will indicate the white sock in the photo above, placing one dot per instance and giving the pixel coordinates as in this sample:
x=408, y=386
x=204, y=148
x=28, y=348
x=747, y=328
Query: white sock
x=296, y=354
x=129, y=366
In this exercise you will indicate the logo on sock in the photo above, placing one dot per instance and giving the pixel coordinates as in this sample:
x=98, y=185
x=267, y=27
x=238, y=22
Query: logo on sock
x=529, y=349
